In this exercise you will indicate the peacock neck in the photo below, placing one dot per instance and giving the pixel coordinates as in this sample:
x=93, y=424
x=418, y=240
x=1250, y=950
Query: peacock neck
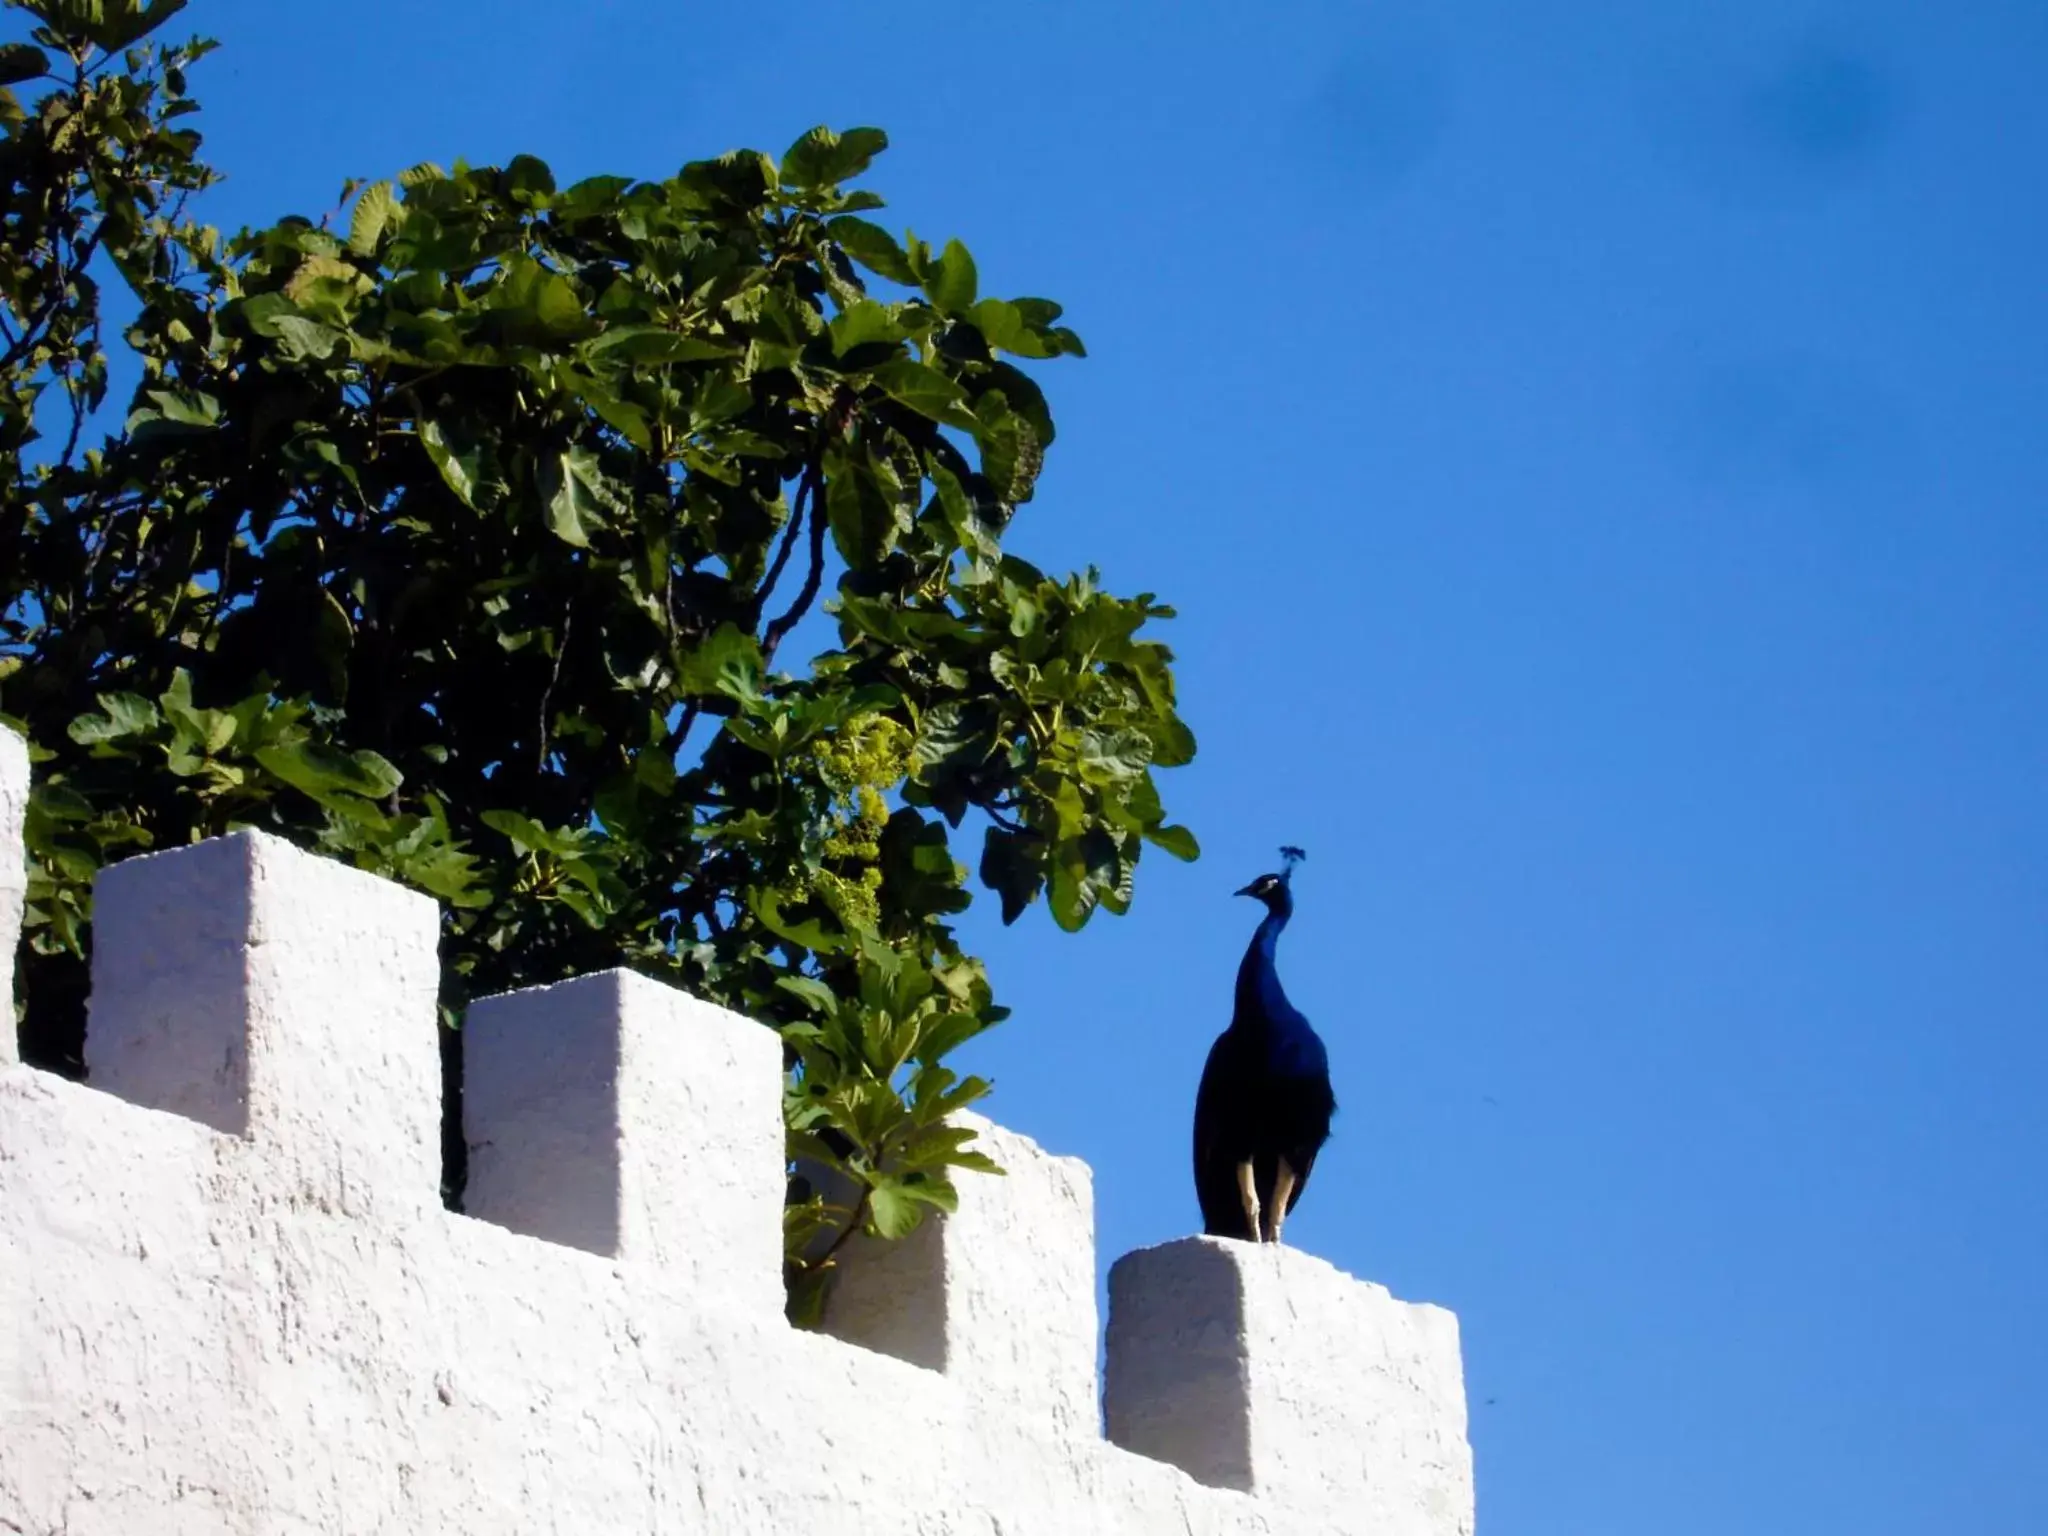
x=1261, y=1002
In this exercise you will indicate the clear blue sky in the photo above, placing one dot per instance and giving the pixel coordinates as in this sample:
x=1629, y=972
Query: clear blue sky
x=1599, y=459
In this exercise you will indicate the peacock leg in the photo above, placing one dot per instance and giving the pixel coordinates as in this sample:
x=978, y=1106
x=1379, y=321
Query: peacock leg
x=1248, y=1191
x=1283, y=1192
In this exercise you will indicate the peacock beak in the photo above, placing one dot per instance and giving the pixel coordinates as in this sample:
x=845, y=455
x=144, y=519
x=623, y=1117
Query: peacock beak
x=1250, y=890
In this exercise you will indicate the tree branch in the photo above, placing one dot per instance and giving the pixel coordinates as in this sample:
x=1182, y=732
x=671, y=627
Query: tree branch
x=32, y=325
x=815, y=511
x=789, y=533
x=673, y=742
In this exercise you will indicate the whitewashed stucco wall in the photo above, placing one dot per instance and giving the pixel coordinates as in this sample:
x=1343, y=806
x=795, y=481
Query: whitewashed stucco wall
x=230, y=1301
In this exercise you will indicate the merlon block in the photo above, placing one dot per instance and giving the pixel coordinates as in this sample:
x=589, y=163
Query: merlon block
x=269, y=993
x=624, y=1117
x=1265, y=1369
x=999, y=1295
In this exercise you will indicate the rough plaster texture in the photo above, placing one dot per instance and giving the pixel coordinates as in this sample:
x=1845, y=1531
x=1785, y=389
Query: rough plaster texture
x=258, y=990
x=1000, y=1295
x=275, y=1328
x=616, y=1115
x=1271, y=1371
x=13, y=872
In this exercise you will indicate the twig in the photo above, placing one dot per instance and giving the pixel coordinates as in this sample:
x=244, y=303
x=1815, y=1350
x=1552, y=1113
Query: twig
x=76, y=397
x=1003, y=821
x=852, y=1226
x=547, y=696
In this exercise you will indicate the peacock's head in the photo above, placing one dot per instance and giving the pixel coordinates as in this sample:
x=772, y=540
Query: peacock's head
x=1274, y=890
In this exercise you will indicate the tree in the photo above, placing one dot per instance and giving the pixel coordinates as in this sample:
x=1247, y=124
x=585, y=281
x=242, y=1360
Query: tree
x=463, y=540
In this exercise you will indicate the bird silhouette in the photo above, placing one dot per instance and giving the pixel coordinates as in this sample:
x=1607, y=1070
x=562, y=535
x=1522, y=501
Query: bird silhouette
x=1263, y=1110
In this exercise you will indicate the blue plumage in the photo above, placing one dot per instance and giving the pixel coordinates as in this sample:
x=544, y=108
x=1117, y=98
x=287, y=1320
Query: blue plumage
x=1263, y=1110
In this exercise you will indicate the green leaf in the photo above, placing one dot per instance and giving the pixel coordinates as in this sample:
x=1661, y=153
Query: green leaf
x=873, y=247
x=194, y=731
x=376, y=209
x=528, y=181
x=188, y=408
x=1039, y=315
x=539, y=306
x=1013, y=866
x=861, y=324
x=1084, y=874
x=978, y=1162
x=1020, y=393
x=525, y=834
x=529, y=836
x=580, y=498
x=1178, y=841
x=1173, y=744
x=327, y=288
x=955, y=732
x=812, y=991
x=822, y=158
x=737, y=182
x=21, y=61
x=558, y=306
x=130, y=22
x=1002, y=326
x=865, y=523
x=975, y=521
x=728, y=663
x=622, y=416
x=656, y=344
x=304, y=338
x=719, y=399
x=124, y=715
x=925, y=390
x=458, y=469
x=1072, y=897
x=952, y=282
x=897, y=1205
x=323, y=770
x=1011, y=451
x=1111, y=756
x=767, y=906
x=592, y=197
x=891, y=1213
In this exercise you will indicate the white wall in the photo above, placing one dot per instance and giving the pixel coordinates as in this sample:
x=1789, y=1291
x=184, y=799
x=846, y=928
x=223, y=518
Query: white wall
x=230, y=1300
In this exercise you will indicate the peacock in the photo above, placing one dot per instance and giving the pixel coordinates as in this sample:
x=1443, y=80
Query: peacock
x=1263, y=1110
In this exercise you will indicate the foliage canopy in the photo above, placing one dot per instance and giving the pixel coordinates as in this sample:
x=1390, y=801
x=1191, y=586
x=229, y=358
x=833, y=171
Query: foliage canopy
x=459, y=536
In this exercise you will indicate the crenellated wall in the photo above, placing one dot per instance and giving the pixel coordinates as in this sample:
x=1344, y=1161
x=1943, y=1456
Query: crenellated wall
x=230, y=1300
